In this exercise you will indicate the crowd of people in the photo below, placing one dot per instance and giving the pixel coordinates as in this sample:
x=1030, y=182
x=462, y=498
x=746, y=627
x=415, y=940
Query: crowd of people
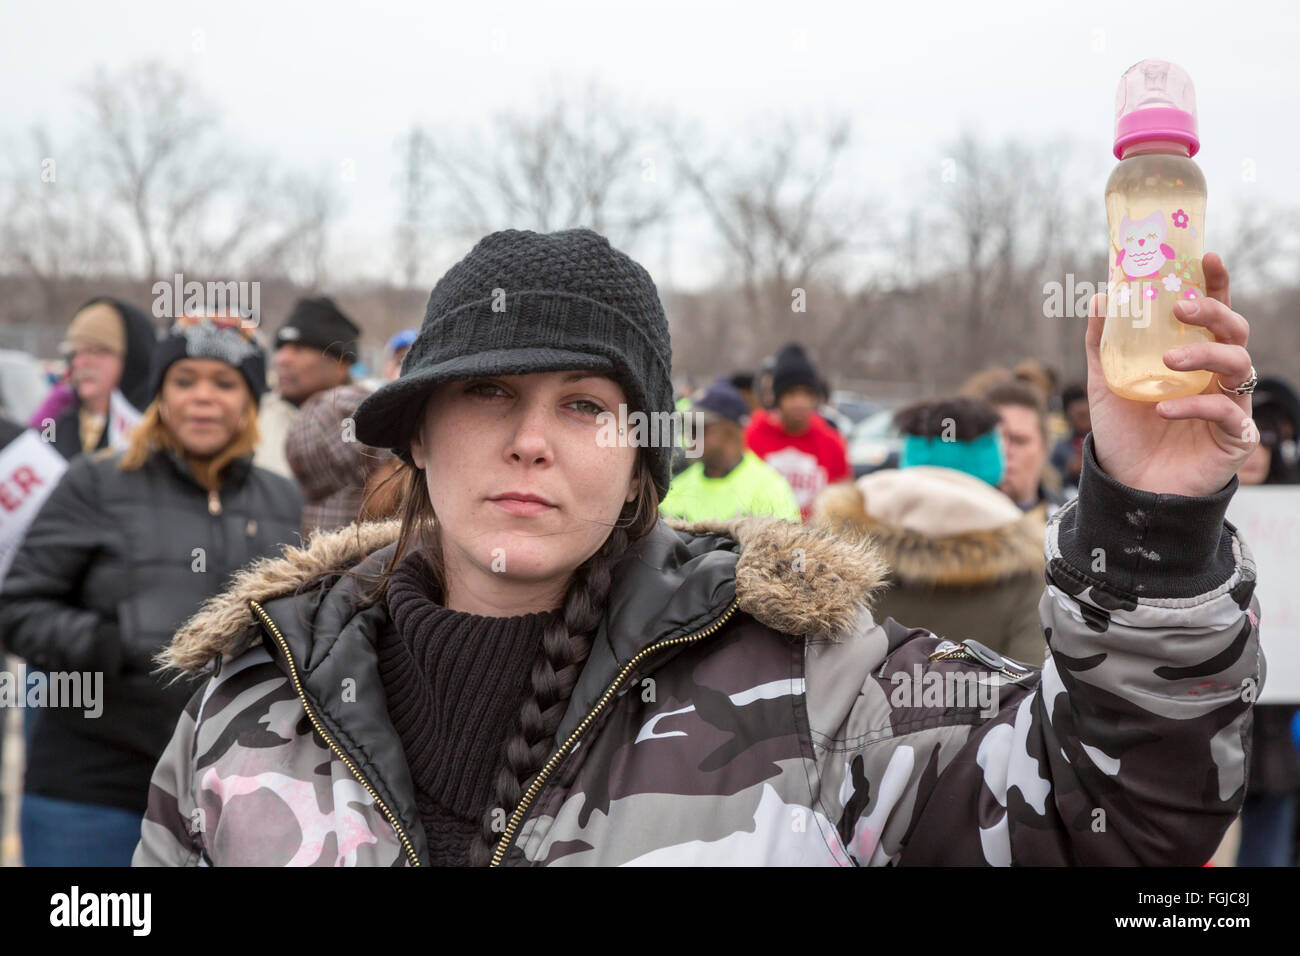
x=181, y=466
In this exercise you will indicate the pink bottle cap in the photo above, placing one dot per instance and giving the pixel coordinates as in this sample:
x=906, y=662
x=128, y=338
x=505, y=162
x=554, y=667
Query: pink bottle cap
x=1155, y=101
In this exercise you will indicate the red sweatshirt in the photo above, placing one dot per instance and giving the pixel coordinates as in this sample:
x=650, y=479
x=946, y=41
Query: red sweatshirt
x=810, y=461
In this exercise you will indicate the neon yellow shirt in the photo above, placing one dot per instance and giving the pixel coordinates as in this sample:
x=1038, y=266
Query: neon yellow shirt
x=751, y=488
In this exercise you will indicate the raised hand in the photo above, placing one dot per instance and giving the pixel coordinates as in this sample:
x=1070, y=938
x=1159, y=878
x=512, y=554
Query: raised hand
x=1182, y=446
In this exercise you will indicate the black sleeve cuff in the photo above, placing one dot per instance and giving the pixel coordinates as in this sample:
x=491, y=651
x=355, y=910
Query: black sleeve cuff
x=1141, y=544
x=108, y=652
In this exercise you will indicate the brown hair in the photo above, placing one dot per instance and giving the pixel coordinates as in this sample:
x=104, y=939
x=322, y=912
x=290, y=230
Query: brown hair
x=1016, y=392
x=565, y=644
x=980, y=382
x=152, y=435
x=1034, y=373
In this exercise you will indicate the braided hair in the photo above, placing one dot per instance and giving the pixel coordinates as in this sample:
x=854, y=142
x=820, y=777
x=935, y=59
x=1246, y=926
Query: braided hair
x=566, y=642
x=565, y=645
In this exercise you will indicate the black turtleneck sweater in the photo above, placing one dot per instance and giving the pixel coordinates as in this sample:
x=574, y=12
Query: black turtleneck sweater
x=455, y=683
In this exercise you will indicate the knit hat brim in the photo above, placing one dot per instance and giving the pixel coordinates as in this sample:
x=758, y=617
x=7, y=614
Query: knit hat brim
x=386, y=418
x=523, y=302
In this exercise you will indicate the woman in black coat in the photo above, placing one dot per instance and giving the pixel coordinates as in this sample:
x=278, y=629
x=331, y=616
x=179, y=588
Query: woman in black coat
x=124, y=550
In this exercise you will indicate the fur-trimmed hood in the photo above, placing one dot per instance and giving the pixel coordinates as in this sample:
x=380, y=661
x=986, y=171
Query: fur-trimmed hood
x=793, y=578
x=936, y=526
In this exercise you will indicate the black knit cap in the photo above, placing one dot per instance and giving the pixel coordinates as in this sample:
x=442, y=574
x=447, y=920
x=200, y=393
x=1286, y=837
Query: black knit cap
x=321, y=324
x=199, y=337
x=524, y=302
x=793, y=368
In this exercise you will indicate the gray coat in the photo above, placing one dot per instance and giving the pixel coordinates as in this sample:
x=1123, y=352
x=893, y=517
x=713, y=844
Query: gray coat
x=741, y=705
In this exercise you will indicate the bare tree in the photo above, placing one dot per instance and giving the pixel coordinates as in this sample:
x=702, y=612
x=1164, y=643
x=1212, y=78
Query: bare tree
x=571, y=161
x=1002, y=221
x=412, y=235
x=771, y=214
x=783, y=226
x=1252, y=246
x=295, y=214
x=147, y=121
x=194, y=203
x=51, y=229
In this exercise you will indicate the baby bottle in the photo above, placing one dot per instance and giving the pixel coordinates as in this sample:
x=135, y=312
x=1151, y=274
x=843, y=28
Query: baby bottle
x=1155, y=208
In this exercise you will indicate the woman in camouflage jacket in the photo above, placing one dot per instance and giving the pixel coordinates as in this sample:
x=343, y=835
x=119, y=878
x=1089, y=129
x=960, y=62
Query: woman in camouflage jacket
x=720, y=692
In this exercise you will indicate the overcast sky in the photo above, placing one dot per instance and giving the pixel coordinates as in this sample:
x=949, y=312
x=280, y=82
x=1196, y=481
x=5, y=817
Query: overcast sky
x=320, y=84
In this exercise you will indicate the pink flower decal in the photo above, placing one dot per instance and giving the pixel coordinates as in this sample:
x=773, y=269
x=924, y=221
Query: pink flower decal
x=1191, y=294
x=1149, y=290
x=1180, y=219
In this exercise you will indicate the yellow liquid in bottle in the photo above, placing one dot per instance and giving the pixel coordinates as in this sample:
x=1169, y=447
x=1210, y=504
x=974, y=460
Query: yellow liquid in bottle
x=1155, y=206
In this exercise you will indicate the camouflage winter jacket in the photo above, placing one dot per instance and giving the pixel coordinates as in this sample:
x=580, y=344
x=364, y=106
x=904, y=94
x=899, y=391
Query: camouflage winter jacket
x=741, y=706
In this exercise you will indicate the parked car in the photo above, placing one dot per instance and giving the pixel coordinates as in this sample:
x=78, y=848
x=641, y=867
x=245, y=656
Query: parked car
x=853, y=406
x=874, y=443
x=837, y=419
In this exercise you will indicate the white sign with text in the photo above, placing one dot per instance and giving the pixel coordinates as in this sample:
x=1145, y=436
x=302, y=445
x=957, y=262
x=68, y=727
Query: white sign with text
x=1268, y=517
x=29, y=470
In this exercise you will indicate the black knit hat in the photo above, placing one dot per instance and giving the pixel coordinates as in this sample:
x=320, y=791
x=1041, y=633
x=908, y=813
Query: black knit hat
x=524, y=302
x=792, y=369
x=321, y=324
x=205, y=338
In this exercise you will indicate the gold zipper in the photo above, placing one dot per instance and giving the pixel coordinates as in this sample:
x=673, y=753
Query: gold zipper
x=338, y=751
x=516, y=818
x=214, y=502
x=960, y=654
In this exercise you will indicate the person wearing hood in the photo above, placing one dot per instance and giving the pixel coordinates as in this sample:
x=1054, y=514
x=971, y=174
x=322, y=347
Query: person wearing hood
x=126, y=547
x=108, y=347
x=532, y=668
x=963, y=557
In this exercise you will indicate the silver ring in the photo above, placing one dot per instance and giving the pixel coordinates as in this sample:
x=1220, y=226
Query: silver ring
x=1245, y=388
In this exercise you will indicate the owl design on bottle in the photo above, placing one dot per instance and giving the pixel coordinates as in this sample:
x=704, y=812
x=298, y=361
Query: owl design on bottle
x=1143, y=249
